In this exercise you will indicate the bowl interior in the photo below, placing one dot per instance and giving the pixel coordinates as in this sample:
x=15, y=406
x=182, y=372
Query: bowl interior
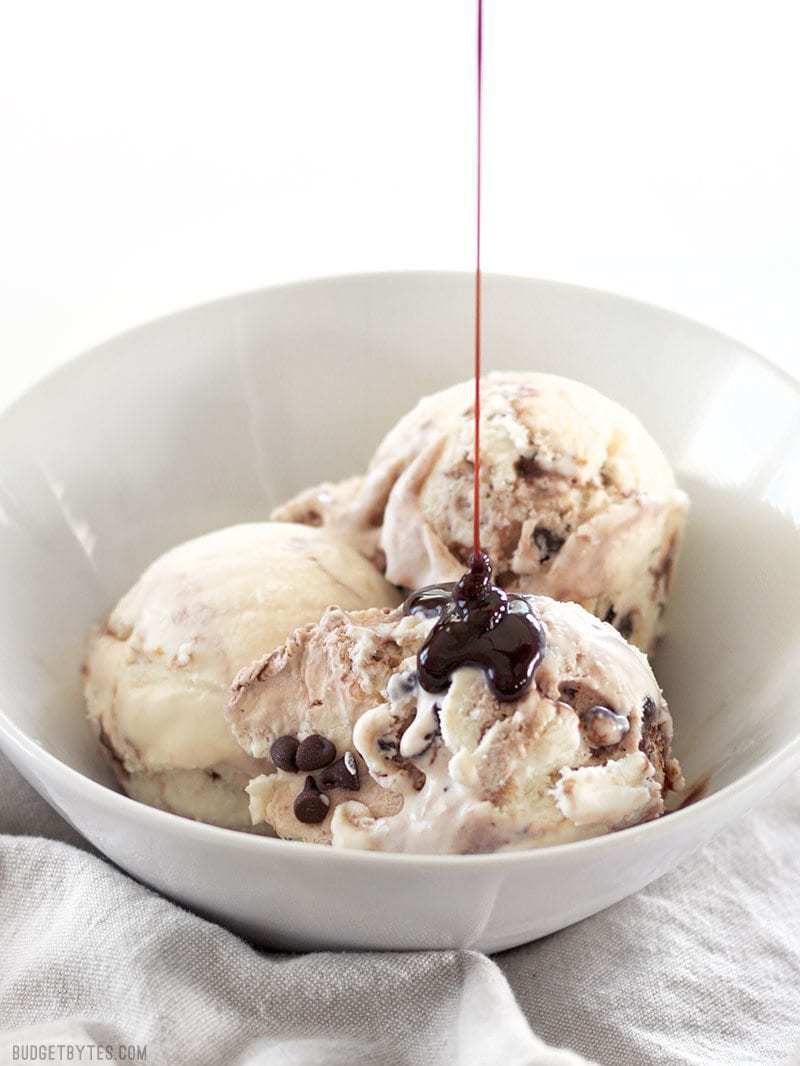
x=214, y=415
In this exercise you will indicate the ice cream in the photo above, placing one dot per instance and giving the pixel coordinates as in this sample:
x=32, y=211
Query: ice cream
x=157, y=676
x=579, y=502
x=585, y=750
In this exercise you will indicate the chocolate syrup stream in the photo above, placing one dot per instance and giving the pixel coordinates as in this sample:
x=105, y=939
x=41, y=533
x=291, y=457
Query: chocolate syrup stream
x=476, y=476
x=479, y=624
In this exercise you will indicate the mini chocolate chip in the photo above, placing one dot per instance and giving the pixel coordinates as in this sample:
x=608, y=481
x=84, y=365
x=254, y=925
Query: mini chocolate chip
x=527, y=467
x=401, y=685
x=283, y=752
x=387, y=745
x=314, y=753
x=603, y=726
x=548, y=543
x=625, y=626
x=213, y=775
x=662, y=571
x=310, y=806
x=429, y=738
x=610, y=615
x=342, y=774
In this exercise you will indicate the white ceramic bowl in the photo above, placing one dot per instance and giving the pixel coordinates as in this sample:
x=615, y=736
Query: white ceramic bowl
x=213, y=415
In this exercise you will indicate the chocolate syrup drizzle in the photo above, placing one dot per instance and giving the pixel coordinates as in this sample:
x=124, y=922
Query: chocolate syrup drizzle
x=476, y=473
x=479, y=625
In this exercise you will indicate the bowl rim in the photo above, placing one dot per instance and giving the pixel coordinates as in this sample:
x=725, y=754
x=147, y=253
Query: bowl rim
x=75, y=780
x=387, y=277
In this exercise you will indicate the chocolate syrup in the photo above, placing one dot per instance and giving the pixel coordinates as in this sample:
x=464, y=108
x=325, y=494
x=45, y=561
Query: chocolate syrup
x=476, y=472
x=479, y=624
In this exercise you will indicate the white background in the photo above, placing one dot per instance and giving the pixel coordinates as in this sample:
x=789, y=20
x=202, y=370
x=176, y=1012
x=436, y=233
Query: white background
x=156, y=154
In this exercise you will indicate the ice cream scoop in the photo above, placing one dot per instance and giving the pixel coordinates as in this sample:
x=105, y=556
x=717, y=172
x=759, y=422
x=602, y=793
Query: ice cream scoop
x=585, y=749
x=579, y=502
x=157, y=675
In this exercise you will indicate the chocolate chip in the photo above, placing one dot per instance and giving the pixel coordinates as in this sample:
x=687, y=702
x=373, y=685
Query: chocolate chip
x=625, y=626
x=527, y=467
x=548, y=543
x=603, y=726
x=310, y=806
x=662, y=571
x=342, y=774
x=283, y=752
x=385, y=744
x=654, y=741
x=314, y=753
x=401, y=685
x=610, y=615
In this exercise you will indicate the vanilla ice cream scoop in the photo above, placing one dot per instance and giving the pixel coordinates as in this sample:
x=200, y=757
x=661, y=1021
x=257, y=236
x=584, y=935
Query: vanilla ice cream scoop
x=578, y=501
x=158, y=674
x=586, y=749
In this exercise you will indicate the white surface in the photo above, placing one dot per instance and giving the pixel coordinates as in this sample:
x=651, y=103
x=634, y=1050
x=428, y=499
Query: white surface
x=181, y=423
x=156, y=155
